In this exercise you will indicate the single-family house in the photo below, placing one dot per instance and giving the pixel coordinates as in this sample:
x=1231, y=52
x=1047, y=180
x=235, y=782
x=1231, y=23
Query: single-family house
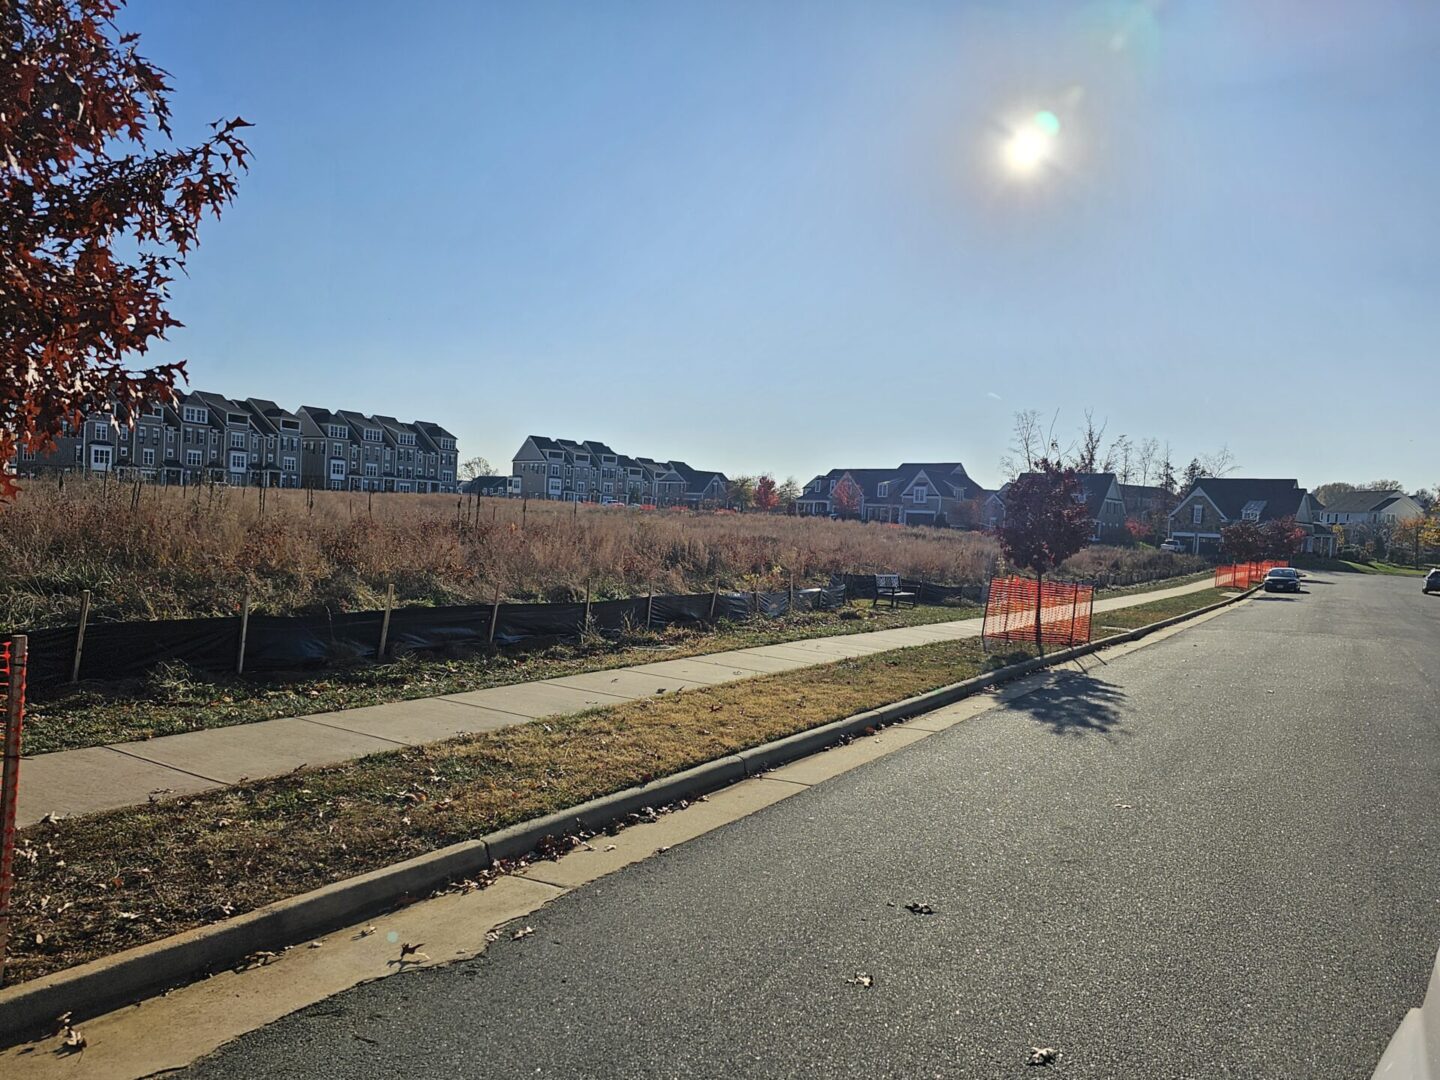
x=1215, y=502
x=1376, y=507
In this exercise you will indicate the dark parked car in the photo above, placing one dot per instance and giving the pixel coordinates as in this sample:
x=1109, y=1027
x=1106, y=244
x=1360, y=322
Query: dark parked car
x=1282, y=579
x=1432, y=582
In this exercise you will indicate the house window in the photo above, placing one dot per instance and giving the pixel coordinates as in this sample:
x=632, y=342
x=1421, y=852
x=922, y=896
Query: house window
x=289, y=464
x=193, y=458
x=195, y=415
x=554, y=470
x=337, y=468
x=337, y=449
x=920, y=493
x=79, y=452
x=100, y=458
x=100, y=431
x=238, y=461
x=140, y=432
x=372, y=469
x=337, y=431
x=237, y=440
x=147, y=456
x=372, y=434
x=1197, y=514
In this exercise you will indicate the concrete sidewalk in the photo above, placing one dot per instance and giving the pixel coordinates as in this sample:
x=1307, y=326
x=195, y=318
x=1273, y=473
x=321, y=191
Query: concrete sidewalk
x=93, y=779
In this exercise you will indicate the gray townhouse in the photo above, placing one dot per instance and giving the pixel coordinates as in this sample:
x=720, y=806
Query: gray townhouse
x=367, y=450
x=442, y=457
x=275, y=439
x=402, y=441
x=665, y=486
x=325, y=449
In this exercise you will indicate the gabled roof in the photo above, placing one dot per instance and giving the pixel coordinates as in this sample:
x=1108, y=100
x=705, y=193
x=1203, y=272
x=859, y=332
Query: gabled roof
x=542, y=443
x=950, y=474
x=1277, y=498
x=266, y=414
x=434, y=430
x=1362, y=502
x=320, y=416
x=599, y=449
x=216, y=402
x=1097, y=487
x=867, y=480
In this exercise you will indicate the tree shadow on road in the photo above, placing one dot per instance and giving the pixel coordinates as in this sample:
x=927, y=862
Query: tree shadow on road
x=1074, y=704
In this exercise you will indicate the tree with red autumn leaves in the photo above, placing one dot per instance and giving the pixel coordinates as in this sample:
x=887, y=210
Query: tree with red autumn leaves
x=845, y=499
x=1046, y=522
x=1250, y=541
x=95, y=221
x=767, y=495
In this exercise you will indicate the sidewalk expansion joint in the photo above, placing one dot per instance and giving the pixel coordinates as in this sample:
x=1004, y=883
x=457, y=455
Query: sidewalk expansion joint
x=172, y=768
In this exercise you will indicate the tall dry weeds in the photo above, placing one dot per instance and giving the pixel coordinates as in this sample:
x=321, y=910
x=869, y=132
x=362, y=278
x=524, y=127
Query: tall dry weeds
x=166, y=552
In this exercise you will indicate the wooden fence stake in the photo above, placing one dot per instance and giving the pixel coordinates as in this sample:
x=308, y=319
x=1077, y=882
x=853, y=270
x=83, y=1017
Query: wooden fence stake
x=244, y=631
x=385, y=622
x=10, y=785
x=792, y=592
x=587, y=605
x=80, y=635
x=714, y=599
x=649, y=607
x=494, y=614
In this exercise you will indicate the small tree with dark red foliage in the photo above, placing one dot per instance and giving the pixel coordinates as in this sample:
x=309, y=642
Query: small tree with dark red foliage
x=1244, y=541
x=94, y=222
x=1282, y=538
x=1046, y=521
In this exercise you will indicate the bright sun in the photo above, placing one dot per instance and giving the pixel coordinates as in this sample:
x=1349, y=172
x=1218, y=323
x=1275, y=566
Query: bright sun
x=1031, y=144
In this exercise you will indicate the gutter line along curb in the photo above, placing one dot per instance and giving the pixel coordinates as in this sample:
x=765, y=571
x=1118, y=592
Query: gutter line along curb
x=109, y=982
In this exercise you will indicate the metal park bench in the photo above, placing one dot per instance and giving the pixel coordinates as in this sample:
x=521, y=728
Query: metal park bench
x=887, y=587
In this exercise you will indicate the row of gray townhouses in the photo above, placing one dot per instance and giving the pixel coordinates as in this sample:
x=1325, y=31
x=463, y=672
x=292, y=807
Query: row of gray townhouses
x=209, y=438
x=589, y=471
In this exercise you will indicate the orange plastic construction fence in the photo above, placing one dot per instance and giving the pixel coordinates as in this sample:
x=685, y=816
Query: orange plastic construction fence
x=1243, y=575
x=1065, y=609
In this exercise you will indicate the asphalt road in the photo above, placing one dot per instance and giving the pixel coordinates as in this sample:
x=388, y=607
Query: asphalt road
x=1217, y=857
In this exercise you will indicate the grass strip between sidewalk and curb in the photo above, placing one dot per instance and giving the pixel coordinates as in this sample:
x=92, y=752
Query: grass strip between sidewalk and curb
x=94, y=886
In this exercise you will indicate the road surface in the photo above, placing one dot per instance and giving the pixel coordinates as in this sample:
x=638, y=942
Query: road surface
x=1216, y=857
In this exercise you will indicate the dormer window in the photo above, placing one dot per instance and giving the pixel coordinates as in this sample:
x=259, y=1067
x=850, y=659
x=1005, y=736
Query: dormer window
x=372, y=434
x=337, y=431
x=194, y=414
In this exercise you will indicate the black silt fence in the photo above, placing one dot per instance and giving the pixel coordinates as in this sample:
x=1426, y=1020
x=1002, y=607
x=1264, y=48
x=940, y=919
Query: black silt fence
x=289, y=643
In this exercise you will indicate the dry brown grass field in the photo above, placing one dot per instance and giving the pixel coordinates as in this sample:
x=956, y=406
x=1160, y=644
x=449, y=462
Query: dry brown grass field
x=150, y=552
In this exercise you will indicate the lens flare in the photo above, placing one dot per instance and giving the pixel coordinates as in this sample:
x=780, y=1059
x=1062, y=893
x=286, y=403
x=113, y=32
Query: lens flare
x=1031, y=144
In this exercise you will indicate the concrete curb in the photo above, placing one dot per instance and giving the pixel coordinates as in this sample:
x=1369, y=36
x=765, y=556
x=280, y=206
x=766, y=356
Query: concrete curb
x=31, y=1008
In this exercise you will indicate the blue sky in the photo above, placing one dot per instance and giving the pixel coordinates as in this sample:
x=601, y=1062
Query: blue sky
x=781, y=236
